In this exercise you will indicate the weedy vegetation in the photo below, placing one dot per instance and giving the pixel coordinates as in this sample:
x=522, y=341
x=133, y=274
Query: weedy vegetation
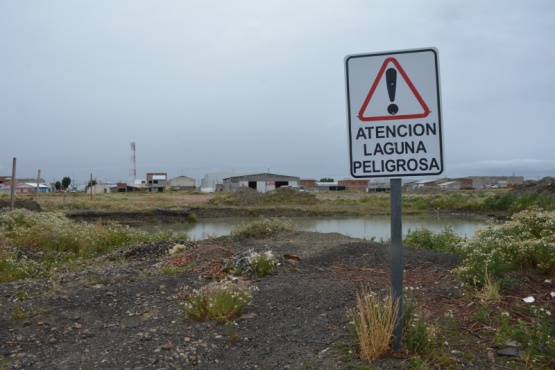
x=262, y=228
x=220, y=301
x=51, y=240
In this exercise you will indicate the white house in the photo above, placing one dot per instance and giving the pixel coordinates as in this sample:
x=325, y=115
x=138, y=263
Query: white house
x=183, y=183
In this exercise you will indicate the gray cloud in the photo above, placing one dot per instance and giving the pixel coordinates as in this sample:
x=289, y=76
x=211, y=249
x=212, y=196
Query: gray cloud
x=249, y=85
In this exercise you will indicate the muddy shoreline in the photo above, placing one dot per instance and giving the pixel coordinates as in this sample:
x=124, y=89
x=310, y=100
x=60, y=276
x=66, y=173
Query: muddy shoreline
x=189, y=214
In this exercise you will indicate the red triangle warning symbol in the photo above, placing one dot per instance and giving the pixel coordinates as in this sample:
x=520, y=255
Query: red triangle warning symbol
x=376, y=107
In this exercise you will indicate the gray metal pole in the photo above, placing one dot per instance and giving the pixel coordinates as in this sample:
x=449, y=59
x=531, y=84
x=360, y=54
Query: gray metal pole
x=397, y=257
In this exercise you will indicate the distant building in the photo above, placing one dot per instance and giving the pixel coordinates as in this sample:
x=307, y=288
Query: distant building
x=181, y=183
x=353, y=185
x=451, y=185
x=261, y=182
x=156, y=181
x=330, y=186
x=308, y=184
x=212, y=182
x=99, y=189
x=43, y=188
x=488, y=182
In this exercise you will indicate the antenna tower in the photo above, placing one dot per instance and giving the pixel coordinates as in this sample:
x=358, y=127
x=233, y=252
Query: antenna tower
x=133, y=170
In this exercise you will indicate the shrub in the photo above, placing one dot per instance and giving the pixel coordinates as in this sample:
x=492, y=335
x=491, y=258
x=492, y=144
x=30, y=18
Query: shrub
x=526, y=242
x=219, y=300
x=445, y=241
x=373, y=320
x=262, y=264
x=262, y=228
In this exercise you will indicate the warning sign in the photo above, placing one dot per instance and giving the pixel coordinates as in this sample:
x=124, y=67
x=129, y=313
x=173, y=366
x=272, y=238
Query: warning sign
x=393, y=84
x=393, y=105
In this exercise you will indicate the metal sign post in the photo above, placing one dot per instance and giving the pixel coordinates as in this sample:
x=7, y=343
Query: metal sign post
x=397, y=258
x=395, y=130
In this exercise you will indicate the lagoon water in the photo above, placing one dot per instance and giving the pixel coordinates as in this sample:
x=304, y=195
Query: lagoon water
x=377, y=227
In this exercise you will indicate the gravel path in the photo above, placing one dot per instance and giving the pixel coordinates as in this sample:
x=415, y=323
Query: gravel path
x=122, y=312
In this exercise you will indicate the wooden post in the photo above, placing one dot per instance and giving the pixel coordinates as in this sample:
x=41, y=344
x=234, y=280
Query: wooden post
x=12, y=186
x=38, y=188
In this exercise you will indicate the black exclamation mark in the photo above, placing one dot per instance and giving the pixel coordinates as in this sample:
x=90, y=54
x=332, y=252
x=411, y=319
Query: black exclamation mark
x=391, y=81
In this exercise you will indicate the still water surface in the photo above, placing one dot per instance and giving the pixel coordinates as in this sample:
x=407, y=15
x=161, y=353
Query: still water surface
x=378, y=227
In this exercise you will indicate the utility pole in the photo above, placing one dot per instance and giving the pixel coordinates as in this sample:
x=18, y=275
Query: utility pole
x=133, y=170
x=38, y=188
x=12, y=186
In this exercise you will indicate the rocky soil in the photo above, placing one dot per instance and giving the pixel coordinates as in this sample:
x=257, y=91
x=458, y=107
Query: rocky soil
x=122, y=312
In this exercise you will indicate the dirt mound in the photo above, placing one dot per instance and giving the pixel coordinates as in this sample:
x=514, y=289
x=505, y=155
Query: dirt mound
x=31, y=205
x=241, y=197
x=543, y=186
x=288, y=195
x=245, y=196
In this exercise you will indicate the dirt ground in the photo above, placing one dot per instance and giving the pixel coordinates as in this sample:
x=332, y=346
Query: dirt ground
x=123, y=313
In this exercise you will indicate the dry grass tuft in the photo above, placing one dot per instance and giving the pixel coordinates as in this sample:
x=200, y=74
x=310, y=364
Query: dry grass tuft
x=373, y=320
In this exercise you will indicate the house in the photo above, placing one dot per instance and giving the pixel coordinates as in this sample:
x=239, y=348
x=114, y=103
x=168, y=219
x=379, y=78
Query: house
x=261, y=182
x=7, y=181
x=181, y=183
x=156, y=181
x=43, y=188
x=99, y=189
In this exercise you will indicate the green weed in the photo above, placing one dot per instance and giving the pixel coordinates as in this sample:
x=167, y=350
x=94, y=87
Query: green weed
x=262, y=228
x=220, y=300
x=445, y=241
x=525, y=243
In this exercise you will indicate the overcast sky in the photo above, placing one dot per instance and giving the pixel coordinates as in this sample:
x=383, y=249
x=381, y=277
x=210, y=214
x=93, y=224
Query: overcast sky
x=254, y=86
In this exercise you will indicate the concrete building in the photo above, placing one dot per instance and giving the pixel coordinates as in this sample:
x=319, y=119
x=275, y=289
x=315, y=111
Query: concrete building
x=212, y=182
x=99, y=189
x=261, y=182
x=156, y=181
x=182, y=183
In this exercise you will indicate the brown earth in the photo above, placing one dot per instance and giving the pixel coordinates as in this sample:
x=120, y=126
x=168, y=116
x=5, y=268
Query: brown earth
x=122, y=313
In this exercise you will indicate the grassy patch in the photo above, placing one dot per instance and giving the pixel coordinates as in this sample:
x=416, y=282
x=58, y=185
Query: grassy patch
x=445, y=241
x=50, y=240
x=220, y=301
x=262, y=228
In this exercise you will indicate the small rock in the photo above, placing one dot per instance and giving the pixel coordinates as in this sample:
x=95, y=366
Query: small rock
x=167, y=346
x=52, y=340
x=508, y=352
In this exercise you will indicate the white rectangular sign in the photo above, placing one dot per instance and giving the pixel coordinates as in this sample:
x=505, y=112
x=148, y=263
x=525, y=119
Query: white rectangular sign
x=394, y=114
